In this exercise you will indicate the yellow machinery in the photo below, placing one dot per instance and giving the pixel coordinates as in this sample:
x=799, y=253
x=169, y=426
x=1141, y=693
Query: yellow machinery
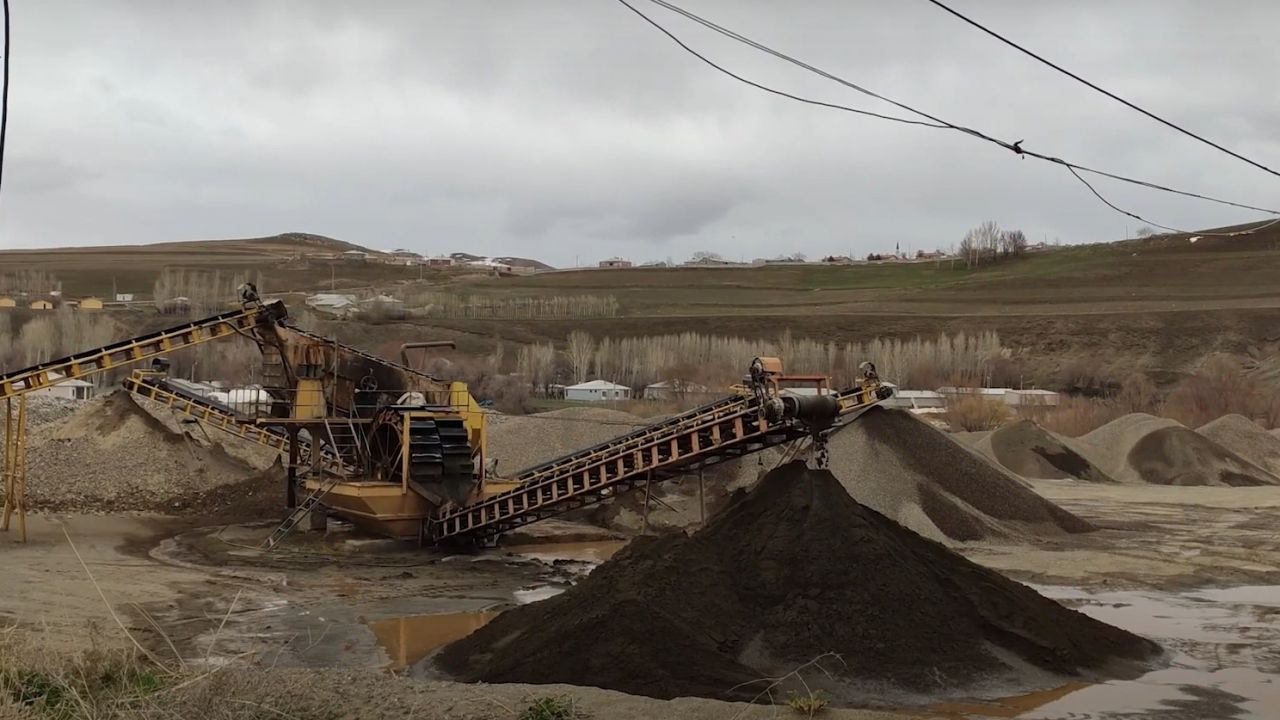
x=402, y=454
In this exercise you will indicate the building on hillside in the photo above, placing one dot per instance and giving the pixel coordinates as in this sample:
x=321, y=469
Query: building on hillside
x=66, y=389
x=124, y=297
x=91, y=303
x=674, y=389
x=837, y=259
x=441, y=261
x=709, y=262
x=333, y=303
x=615, y=262
x=7, y=302
x=41, y=305
x=355, y=256
x=597, y=391
x=401, y=256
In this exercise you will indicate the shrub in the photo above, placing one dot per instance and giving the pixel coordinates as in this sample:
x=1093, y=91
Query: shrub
x=807, y=703
x=976, y=412
x=558, y=707
x=1075, y=416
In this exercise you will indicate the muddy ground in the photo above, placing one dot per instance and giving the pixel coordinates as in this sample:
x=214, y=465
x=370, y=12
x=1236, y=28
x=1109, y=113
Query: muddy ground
x=354, y=605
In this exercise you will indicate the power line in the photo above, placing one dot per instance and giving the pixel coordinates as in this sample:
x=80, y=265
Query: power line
x=775, y=91
x=936, y=122
x=1102, y=90
x=4, y=94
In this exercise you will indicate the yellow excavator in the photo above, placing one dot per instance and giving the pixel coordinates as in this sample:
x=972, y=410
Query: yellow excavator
x=401, y=453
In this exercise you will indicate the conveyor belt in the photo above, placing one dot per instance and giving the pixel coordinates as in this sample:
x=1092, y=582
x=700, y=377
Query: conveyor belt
x=218, y=416
x=126, y=352
x=704, y=436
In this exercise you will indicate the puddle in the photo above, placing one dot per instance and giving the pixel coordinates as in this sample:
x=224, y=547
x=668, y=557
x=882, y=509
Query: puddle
x=524, y=596
x=1216, y=641
x=409, y=639
x=1010, y=707
x=586, y=552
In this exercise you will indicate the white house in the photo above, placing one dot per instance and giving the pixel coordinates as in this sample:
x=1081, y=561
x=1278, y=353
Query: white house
x=66, y=389
x=668, y=389
x=1008, y=396
x=597, y=391
x=915, y=400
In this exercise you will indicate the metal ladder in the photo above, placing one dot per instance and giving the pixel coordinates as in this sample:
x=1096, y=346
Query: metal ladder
x=351, y=438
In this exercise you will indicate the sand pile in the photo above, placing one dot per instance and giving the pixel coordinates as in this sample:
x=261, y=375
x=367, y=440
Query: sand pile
x=522, y=441
x=1024, y=448
x=1140, y=448
x=794, y=569
x=112, y=454
x=1247, y=439
x=917, y=476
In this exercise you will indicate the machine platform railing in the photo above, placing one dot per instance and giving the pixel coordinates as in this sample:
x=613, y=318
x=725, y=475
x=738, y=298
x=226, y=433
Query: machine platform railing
x=134, y=350
x=704, y=436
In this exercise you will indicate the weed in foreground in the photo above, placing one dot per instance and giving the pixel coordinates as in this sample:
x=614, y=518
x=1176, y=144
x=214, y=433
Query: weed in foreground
x=558, y=707
x=806, y=703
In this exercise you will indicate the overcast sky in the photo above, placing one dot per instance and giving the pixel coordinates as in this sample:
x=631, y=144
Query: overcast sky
x=563, y=129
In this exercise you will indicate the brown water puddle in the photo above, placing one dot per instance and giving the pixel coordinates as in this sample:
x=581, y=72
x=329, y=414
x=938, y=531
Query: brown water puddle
x=587, y=552
x=1010, y=707
x=1223, y=647
x=409, y=639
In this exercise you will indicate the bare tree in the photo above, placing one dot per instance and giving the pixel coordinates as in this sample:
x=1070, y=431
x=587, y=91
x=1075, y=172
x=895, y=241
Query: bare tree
x=579, y=352
x=1146, y=231
x=1012, y=242
x=980, y=243
x=537, y=364
x=706, y=255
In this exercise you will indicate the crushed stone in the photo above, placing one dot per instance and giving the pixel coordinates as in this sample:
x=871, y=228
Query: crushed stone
x=1030, y=451
x=917, y=476
x=114, y=454
x=1141, y=448
x=1247, y=439
x=792, y=570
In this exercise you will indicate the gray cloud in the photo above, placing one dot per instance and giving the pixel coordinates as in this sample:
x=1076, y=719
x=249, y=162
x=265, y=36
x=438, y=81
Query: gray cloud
x=563, y=129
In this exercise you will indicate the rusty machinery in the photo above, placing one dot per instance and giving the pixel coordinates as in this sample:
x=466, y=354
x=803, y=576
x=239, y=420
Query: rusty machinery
x=402, y=453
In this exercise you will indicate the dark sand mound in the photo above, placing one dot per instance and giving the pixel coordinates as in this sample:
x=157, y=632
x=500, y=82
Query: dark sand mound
x=1024, y=448
x=917, y=476
x=1178, y=456
x=794, y=569
x=1247, y=439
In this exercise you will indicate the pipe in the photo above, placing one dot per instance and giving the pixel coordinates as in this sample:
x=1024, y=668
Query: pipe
x=406, y=347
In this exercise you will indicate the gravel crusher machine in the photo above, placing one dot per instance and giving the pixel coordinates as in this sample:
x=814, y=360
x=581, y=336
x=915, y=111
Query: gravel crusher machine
x=401, y=453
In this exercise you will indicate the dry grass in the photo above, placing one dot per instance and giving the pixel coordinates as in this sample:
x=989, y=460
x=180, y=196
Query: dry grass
x=972, y=413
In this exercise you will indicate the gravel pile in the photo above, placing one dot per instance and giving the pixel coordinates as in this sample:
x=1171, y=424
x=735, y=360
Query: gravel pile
x=1026, y=449
x=1247, y=439
x=45, y=409
x=112, y=454
x=792, y=570
x=1140, y=448
x=917, y=476
x=522, y=441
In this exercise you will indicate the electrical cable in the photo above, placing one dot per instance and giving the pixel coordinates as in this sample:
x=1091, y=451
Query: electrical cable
x=1015, y=147
x=4, y=94
x=1104, y=91
x=775, y=91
